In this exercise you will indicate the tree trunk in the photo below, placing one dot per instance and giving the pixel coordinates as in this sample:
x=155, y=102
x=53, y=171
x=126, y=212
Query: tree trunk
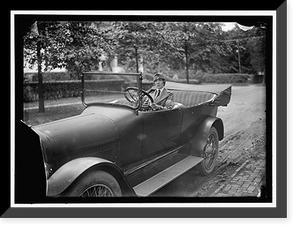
x=264, y=78
x=186, y=52
x=186, y=64
x=239, y=57
x=40, y=78
x=136, y=59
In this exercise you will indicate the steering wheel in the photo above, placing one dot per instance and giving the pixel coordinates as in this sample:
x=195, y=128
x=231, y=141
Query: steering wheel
x=132, y=96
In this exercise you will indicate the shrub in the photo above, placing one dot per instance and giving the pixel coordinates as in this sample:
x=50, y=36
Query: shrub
x=65, y=89
x=150, y=77
x=99, y=76
x=48, y=76
x=225, y=78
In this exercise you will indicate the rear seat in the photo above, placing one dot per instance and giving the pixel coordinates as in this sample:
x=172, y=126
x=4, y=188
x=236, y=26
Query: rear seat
x=191, y=98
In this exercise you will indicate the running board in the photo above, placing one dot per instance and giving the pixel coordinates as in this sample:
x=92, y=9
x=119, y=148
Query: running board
x=161, y=179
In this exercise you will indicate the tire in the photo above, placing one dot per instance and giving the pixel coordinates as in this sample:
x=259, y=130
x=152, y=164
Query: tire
x=94, y=184
x=210, y=153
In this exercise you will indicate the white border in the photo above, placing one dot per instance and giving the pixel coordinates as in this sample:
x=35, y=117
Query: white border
x=144, y=205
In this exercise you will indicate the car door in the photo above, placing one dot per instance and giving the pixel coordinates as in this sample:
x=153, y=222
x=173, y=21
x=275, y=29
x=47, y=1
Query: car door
x=161, y=130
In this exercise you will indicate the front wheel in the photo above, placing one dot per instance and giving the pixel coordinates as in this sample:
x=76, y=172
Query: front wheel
x=210, y=153
x=95, y=184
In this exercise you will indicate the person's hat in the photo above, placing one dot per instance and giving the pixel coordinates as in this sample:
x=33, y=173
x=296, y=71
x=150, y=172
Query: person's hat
x=158, y=76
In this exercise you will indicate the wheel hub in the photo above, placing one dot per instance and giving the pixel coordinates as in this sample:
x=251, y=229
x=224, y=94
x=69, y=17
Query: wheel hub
x=210, y=151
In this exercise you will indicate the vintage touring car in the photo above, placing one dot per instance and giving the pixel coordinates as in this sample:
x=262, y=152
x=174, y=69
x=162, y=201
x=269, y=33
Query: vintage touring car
x=118, y=149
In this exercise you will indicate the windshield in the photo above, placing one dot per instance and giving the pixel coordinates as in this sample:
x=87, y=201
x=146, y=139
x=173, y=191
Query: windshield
x=112, y=88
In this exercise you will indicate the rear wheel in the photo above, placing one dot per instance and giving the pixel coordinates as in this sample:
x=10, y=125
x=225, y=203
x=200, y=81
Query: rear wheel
x=210, y=152
x=95, y=184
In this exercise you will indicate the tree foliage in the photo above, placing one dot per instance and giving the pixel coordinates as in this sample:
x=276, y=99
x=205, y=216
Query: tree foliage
x=192, y=47
x=189, y=46
x=74, y=45
x=173, y=45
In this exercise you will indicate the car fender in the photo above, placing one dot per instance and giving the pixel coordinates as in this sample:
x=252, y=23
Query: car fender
x=70, y=171
x=198, y=141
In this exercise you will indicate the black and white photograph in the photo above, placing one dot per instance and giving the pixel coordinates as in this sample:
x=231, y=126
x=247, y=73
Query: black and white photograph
x=156, y=110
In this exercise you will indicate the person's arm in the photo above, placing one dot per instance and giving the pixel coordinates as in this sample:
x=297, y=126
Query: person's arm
x=167, y=103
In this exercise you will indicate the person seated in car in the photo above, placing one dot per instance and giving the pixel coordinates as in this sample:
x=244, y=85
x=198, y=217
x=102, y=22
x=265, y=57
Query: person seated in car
x=163, y=98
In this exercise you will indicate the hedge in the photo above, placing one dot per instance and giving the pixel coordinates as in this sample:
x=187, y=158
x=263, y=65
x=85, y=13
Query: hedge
x=65, y=89
x=225, y=78
x=198, y=77
x=195, y=77
x=72, y=88
x=48, y=76
x=150, y=77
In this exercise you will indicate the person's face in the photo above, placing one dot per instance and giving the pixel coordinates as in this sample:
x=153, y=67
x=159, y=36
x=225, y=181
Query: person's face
x=159, y=83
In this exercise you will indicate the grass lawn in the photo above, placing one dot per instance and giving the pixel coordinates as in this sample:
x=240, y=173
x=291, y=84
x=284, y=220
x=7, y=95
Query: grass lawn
x=60, y=109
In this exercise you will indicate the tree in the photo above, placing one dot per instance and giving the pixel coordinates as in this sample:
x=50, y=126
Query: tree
x=191, y=46
x=177, y=45
x=134, y=38
x=83, y=45
x=195, y=44
x=251, y=47
x=257, y=49
x=36, y=44
x=74, y=45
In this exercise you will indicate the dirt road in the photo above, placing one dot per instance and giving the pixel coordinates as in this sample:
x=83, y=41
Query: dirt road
x=245, y=121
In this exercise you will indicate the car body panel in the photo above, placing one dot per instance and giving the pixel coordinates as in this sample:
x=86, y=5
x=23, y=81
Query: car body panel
x=68, y=139
x=130, y=144
x=168, y=123
x=130, y=129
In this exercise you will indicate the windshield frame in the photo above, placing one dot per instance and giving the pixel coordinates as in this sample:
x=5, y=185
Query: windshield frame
x=138, y=76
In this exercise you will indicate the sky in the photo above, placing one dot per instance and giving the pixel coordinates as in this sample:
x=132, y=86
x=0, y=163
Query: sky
x=228, y=25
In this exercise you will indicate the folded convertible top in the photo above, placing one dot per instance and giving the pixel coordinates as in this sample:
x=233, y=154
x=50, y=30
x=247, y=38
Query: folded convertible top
x=222, y=91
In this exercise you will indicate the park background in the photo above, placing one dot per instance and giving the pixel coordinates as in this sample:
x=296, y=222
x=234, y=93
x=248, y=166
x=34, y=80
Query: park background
x=57, y=53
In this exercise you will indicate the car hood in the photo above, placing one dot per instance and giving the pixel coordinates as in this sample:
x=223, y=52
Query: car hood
x=74, y=134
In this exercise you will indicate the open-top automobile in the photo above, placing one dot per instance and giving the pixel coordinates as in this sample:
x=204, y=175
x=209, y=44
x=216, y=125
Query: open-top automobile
x=122, y=148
